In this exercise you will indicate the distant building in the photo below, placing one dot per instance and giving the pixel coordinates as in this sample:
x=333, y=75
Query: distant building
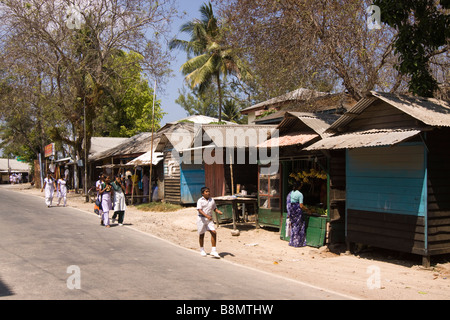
x=11, y=166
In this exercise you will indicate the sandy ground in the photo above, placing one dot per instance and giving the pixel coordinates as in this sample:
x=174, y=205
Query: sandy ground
x=371, y=274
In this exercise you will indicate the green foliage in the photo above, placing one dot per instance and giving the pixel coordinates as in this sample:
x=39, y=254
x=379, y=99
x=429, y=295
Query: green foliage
x=423, y=30
x=195, y=102
x=209, y=58
x=266, y=113
x=129, y=109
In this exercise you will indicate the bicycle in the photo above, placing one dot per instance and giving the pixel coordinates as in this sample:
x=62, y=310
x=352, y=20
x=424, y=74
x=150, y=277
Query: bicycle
x=92, y=193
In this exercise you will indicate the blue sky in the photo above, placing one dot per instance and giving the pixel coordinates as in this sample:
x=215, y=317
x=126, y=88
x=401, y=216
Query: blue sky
x=173, y=110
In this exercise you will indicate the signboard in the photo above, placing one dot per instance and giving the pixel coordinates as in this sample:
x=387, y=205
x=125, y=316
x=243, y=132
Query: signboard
x=49, y=150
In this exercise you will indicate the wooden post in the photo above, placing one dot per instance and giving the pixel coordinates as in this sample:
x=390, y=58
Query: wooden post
x=231, y=173
x=426, y=261
x=132, y=187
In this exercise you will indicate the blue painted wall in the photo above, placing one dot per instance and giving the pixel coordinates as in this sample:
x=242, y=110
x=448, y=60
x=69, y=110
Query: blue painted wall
x=192, y=179
x=388, y=179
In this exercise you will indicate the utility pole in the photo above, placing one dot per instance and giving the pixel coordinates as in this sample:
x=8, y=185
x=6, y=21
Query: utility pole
x=151, y=148
x=85, y=152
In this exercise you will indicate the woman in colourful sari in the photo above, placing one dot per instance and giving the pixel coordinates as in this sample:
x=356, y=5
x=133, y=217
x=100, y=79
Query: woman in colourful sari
x=106, y=193
x=295, y=213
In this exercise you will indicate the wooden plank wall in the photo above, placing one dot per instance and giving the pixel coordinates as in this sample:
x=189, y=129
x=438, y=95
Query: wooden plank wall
x=386, y=198
x=192, y=181
x=387, y=179
x=337, y=185
x=385, y=230
x=381, y=115
x=172, y=186
x=215, y=179
x=438, y=191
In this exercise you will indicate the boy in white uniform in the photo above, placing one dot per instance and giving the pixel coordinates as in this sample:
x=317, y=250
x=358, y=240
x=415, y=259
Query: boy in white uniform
x=62, y=191
x=205, y=207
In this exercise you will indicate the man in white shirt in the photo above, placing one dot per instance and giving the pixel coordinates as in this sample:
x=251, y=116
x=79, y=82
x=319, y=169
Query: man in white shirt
x=205, y=207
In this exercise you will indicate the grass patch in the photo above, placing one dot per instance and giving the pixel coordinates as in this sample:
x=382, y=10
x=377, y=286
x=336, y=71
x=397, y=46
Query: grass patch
x=159, y=207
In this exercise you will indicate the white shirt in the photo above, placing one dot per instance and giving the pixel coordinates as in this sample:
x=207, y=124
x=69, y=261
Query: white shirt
x=207, y=206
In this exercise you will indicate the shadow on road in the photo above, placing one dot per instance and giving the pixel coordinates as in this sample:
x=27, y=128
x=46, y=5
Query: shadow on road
x=5, y=290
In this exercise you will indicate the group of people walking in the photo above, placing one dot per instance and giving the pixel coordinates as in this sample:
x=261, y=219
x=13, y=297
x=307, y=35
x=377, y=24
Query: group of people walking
x=51, y=185
x=111, y=196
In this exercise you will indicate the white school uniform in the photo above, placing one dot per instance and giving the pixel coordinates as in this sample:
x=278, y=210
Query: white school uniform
x=203, y=223
x=49, y=190
x=62, y=191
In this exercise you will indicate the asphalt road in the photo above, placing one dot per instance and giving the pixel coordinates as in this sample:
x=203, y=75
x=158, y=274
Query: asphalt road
x=63, y=253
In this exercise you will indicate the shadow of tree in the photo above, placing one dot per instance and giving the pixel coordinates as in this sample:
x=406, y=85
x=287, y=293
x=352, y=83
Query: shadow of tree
x=5, y=290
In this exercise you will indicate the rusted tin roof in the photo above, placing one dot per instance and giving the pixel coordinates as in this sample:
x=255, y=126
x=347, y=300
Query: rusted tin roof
x=290, y=139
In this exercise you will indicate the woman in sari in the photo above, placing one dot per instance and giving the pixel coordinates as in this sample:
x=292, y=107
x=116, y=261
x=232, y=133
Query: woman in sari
x=295, y=213
x=106, y=192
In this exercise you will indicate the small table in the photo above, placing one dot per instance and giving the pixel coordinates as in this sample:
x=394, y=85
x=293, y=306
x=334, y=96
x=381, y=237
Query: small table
x=234, y=201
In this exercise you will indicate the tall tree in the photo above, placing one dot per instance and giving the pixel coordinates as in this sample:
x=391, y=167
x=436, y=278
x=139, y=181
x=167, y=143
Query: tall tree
x=423, y=32
x=316, y=44
x=78, y=41
x=195, y=102
x=212, y=60
x=130, y=107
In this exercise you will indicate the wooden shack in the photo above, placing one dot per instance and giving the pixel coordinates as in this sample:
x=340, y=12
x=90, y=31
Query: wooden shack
x=297, y=131
x=182, y=179
x=397, y=181
x=197, y=155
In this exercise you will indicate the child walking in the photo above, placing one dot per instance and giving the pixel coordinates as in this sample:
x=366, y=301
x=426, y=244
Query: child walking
x=49, y=187
x=205, y=207
x=62, y=191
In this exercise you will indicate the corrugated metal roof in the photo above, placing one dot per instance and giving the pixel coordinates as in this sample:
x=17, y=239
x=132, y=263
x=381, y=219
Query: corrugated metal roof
x=179, y=135
x=14, y=165
x=223, y=136
x=339, y=102
x=317, y=122
x=139, y=143
x=430, y=111
x=299, y=94
x=288, y=140
x=361, y=139
x=102, y=144
x=180, y=138
x=242, y=136
x=146, y=159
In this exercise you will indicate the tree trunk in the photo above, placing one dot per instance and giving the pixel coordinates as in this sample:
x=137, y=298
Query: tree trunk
x=219, y=89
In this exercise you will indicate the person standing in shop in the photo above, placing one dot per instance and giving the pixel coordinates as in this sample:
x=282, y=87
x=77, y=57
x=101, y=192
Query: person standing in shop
x=295, y=214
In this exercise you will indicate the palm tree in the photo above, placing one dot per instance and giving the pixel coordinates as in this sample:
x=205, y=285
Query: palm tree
x=212, y=60
x=231, y=111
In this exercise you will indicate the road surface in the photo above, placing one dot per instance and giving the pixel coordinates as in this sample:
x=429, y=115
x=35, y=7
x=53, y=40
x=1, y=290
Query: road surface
x=63, y=253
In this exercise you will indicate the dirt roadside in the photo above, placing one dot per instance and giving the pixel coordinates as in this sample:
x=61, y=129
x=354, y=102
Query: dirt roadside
x=401, y=276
